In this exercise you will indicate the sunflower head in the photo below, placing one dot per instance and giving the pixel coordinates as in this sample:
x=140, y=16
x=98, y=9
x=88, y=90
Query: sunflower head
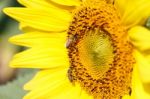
x=97, y=61
x=98, y=50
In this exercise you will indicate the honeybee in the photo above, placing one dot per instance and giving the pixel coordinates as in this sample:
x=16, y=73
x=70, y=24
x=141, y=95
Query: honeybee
x=70, y=77
x=72, y=39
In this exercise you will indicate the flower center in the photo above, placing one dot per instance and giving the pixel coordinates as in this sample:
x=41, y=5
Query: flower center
x=96, y=52
x=100, y=54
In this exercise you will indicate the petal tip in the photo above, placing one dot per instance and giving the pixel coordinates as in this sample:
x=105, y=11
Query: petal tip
x=11, y=64
x=11, y=39
x=6, y=10
x=26, y=87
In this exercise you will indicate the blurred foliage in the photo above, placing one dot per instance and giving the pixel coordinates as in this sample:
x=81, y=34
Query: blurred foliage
x=11, y=80
x=3, y=18
x=13, y=90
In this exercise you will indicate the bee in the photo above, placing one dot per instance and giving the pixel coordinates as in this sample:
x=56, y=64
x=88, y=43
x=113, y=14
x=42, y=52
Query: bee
x=70, y=76
x=72, y=39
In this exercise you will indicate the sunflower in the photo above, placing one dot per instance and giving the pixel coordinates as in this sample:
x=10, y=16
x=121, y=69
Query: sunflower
x=85, y=49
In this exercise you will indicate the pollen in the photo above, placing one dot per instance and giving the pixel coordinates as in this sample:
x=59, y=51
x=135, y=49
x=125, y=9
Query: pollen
x=99, y=50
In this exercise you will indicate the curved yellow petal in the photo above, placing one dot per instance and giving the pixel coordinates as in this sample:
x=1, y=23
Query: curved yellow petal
x=47, y=77
x=54, y=84
x=67, y=2
x=126, y=97
x=38, y=4
x=25, y=28
x=50, y=91
x=138, y=89
x=84, y=95
x=72, y=93
x=140, y=37
x=133, y=12
x=33, y=39
x=52, y=20
x=143, y=67
x=41, y=57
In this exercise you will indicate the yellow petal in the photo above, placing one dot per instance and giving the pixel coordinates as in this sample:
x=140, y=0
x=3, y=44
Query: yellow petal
x=25, y=28
x=133, y=12
x=49, y=91
x=47, y=77
x=121, y=5
x=41, y=57
x=38, y=4
x=52, y=20
x=138, y=90
x=50, y=84
x=72, y=93
x=140, y=37
x=126, y=97
x=44, y=4
x=67, y=2
x=54, y=84
x=33, y=39
x=84, y=95
x=143, y=67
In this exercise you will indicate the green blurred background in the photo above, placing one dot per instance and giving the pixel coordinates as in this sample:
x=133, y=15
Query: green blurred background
x=11, y=80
